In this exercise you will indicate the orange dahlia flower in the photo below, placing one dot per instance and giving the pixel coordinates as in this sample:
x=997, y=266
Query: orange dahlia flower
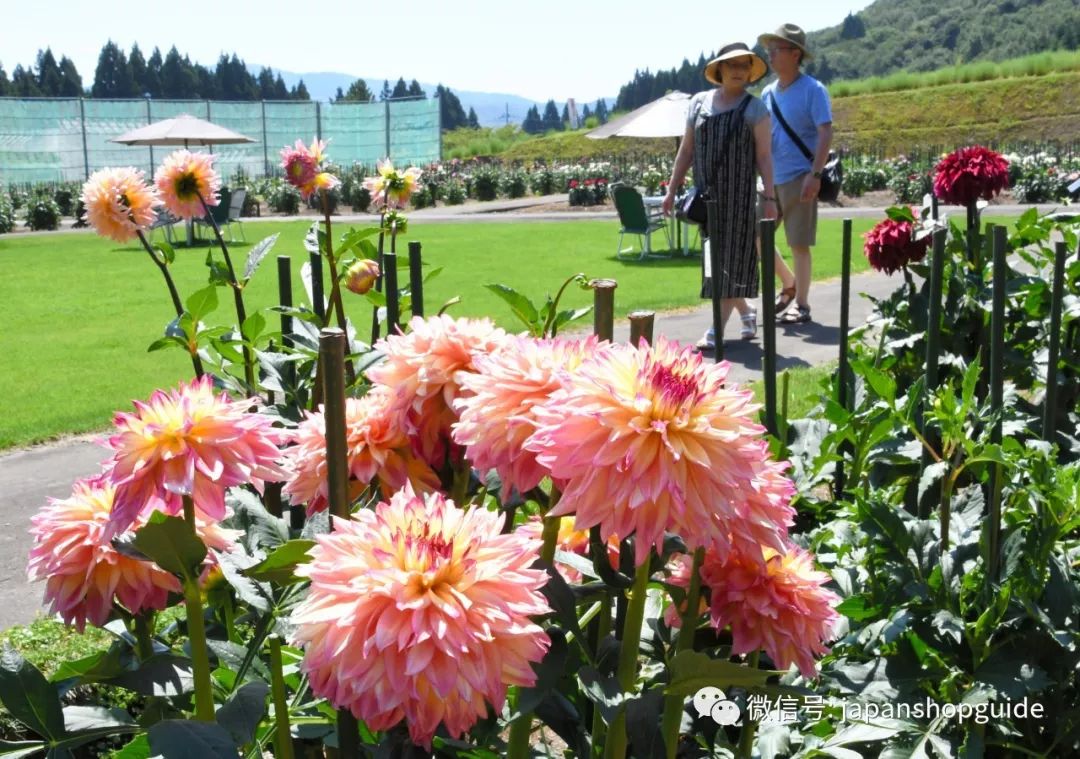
x=119, y=203
x=419, y=610
x=183, y=178
x=653, y=439
x=190, y=442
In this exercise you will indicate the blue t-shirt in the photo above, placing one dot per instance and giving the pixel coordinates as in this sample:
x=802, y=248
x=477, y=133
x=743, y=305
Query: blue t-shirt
x=805, y=105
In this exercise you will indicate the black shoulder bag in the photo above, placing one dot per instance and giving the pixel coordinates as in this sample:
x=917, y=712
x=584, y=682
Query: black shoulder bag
x=832, y=176
x=691, y=206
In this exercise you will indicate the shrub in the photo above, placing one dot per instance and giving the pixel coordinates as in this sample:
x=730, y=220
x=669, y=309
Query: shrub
x=283, y=197
x=422, y=198
x=909, y=184
x=515, y=183
x=485, y=183
x=454, y=193
x=65, y=199
x=7, y=216
x=43, y=213
x=544, y=182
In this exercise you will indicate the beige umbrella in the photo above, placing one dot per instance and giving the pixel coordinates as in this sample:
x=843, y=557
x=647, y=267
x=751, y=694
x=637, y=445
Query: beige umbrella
x=663, y=117
x=183, y=130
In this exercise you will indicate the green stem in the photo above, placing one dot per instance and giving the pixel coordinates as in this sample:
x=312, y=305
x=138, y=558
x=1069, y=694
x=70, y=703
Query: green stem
x=163, y=267
x=673, y=705
x=336, y=304
x=200, y=659
x=749, y=730
x=238, y=298
x=551, y=528
x=517, y=744
x=628, y=658
x=459, y=488
x=603, y=629
x=144, y=634
x=283, y=748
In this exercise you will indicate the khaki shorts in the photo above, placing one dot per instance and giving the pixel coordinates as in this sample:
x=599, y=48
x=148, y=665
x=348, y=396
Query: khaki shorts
x=798, y=218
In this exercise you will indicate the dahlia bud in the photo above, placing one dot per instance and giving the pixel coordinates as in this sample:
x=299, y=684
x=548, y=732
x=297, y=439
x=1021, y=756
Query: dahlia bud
x=361, y=276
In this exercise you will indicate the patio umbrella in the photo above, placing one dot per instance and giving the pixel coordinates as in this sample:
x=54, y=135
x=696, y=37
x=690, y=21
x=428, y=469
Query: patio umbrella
x=184, y=130
x=663, y=117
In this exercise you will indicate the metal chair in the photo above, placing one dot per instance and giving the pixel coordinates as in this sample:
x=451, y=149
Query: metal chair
x=236, y=208
x=636, y=220
x=164, y=222
x=219, y=213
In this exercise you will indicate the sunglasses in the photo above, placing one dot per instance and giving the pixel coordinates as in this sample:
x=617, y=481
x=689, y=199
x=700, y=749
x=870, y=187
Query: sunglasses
x=774, y=49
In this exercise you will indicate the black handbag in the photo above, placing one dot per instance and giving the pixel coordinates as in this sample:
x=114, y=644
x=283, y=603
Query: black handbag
x=832, y=175
x=691, y=207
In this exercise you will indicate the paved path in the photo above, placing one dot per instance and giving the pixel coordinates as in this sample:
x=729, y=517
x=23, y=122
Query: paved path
x=28, y=477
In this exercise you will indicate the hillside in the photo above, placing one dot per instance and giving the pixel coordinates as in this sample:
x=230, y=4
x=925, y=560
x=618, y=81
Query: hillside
x=922, y=35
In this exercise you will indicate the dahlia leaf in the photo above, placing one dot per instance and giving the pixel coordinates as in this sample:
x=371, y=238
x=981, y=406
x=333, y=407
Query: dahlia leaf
x=257, y=254
x=521, y=306
x=16, y=749
x=691, y=671
x=29, y=697
x=241, y=714
x=900, y=213
x=202, y=302
x=172, y=545
x=187, y=739
x=279, y=567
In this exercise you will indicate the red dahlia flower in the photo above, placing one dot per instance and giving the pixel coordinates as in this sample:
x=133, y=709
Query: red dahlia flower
x=971, y=173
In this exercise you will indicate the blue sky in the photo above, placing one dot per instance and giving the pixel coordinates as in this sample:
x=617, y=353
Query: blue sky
x=555, y=49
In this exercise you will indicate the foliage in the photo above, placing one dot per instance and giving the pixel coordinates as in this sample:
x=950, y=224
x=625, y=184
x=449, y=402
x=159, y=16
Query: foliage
x=515, y=184
x=454, y=193
x=909, y=183
x=485, y=183
x=282, y=197
x=43, y=213
x=7, y=215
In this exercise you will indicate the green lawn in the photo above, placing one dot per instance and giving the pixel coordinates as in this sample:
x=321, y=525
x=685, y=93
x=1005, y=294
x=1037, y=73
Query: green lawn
x=77, y=311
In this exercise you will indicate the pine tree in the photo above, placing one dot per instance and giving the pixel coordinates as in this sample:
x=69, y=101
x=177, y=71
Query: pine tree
x=551, y=118
x=24, y=83
x=566, y=116
x=601, y=111
x=532, y=124
x=137, y=64
x=415, y=90
x=474, y=123
x=112, y=78
x=281, y=92
x=208, y=87
x=70, y=81
x=400, y=89
x=386, y=92
x=299, y=92
x=339, y=96
x=5, y=85
x=585, y=113
x=266, y=83
x=153, y=74
x=178, y=81
x=49, y=78
x=358, y=92
x=451, y=113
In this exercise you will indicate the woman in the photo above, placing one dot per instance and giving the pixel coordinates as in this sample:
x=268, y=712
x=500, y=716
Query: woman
x=727, y=136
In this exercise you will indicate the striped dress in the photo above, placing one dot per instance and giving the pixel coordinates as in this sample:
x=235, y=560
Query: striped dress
x=724, y=167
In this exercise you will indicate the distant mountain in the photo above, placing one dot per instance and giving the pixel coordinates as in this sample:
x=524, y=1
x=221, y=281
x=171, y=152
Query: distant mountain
x=491, y=107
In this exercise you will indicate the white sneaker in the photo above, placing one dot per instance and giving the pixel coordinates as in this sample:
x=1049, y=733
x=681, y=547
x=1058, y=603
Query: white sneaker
x=749, y=325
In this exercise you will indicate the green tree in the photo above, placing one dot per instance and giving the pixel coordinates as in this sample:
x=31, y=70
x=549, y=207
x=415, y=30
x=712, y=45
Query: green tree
x=551, y=120
x=601, y=111
x=266, y=84
x=400, y=89
x=852, y=27
x=358, y=92
x=386, y=92
x=281, y=92
x=24, y=83
x=300, y=92
x=532, y=124
x=5, y=85
x=565, y=118
x=233, y=80
x=415, y=90
x=50, y=80
x=112, y=78
x=179, y=81
x=70, y=82
x=451, y=114
x=474, y=123
x=138, y=67
x=152, y=84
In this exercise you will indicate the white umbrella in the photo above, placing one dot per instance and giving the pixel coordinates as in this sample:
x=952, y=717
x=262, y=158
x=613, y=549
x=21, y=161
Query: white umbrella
x=183, y=130
x=663, y=117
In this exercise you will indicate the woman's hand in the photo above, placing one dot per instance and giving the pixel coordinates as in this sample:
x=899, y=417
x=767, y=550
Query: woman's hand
x=769, y=209
x=668, y=203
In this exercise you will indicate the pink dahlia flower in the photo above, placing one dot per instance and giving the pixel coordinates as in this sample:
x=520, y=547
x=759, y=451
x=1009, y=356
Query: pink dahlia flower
x=299, y=164
x=497, y=408
x=183, y=178
x=119, y=203
x=419, y=610
x=970, y=173
x=890, y=245
x=780, y=606
x=424, y=366
x=84, y=575
x=191, y=442
x=377, y=449
x=678, y=569
x=651, y=440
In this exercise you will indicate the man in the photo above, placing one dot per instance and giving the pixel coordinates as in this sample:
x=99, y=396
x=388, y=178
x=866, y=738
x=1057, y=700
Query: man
x=803, y=102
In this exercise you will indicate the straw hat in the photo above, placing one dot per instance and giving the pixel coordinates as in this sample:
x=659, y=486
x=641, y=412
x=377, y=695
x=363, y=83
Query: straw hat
x=758, y=68
x=789, y=33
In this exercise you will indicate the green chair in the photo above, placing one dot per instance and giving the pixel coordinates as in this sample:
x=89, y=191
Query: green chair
x=220, y=212
x=636, y=220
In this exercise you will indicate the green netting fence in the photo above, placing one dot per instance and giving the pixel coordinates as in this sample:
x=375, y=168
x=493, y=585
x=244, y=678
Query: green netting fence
x=60, y=139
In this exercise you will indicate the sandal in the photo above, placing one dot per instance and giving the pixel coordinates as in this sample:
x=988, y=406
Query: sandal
x=798, y=315
x=783, y=300
x=707, y=343
x=749, y=325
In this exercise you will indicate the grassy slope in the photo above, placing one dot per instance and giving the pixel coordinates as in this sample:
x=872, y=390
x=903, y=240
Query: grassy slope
x=77, y=311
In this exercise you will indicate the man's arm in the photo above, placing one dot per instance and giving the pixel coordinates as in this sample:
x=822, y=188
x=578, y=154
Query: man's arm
x=812, y=184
